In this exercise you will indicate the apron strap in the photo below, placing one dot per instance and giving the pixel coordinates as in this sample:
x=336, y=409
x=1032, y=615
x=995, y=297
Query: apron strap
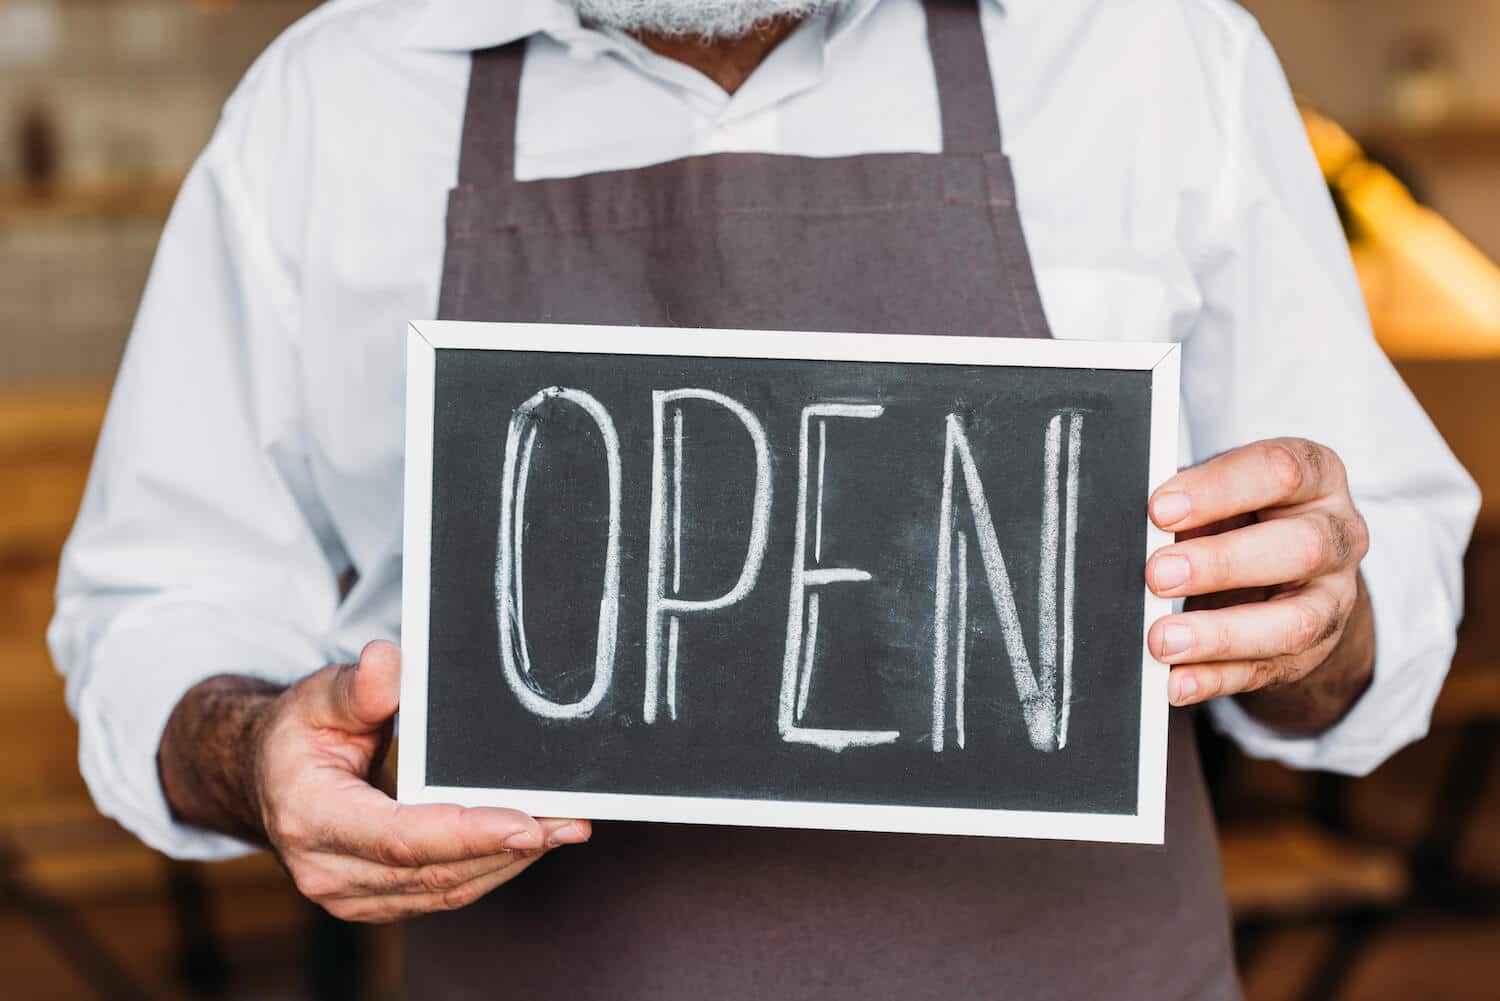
x=966, y=92
x=487, y=150
x=966, y=95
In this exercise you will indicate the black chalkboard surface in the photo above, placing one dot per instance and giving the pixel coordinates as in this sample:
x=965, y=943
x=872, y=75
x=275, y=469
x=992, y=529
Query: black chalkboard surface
x=822, y=580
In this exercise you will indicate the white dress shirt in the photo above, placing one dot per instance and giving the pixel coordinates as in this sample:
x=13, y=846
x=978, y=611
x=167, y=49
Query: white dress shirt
x=253, y=447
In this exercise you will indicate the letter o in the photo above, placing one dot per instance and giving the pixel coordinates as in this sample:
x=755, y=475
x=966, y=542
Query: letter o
x=514, y=656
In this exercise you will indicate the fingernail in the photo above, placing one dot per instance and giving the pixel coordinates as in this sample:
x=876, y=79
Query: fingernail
x=570, y=834
x=522, y=841
x=1171, y=571
x=1175, y=639
x=1185, y=687
x=1170, y=508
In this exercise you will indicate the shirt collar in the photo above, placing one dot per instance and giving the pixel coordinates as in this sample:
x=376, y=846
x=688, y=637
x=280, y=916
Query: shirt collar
x=468, y=25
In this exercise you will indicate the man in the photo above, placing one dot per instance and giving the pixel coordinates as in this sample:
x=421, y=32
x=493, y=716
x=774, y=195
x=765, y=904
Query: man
x=607, y=164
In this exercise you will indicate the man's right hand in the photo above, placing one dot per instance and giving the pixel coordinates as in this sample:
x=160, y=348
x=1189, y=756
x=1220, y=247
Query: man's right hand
x=297, y=769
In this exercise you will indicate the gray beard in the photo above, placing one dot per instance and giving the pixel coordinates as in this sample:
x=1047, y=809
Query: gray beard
x=711, y=19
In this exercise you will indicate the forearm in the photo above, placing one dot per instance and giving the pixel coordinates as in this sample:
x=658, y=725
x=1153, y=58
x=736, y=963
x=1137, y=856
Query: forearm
x=207, y=759
x=1318, y=700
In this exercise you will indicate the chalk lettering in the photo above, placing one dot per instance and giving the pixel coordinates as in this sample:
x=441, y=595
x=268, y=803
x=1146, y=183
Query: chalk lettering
x=515, y=657
x=802, y=606
x=662, y=609
x=1046, y=716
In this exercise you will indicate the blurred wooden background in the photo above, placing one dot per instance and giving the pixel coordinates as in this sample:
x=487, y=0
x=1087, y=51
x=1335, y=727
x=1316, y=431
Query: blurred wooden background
x=79, y=898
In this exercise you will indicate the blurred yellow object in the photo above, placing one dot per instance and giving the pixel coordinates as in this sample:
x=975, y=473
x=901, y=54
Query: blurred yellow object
x=1294, y=868
x=1431, y=293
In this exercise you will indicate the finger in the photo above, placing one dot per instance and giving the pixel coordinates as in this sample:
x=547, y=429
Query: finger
x=359, y=698
x=1190, y=684
x=437, y=877
x=558, y=831
x=394, y=907
x=367, y=823
x=1273, y=473
x=326, y=877
x=474, y=889
x=1289, y=625
x=1281, y=551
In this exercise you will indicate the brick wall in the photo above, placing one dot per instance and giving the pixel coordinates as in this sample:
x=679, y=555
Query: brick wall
x=1344, y=56
x=134, y=88
x=1343, y=53
x=136, y=85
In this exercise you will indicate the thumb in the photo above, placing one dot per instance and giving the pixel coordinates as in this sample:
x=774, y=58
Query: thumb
x=366, y=695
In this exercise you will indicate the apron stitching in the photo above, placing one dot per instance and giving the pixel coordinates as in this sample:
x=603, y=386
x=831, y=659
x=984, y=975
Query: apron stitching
x=1016, y=259
x=523, y=230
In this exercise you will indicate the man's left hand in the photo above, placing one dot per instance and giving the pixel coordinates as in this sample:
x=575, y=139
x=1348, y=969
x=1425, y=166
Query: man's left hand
x=1268, y=550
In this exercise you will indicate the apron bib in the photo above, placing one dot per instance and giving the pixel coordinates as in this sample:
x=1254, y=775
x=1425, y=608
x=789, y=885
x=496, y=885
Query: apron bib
x=878, y=243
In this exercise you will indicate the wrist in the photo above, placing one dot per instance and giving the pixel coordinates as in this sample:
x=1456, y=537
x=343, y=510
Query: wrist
x=209, y=753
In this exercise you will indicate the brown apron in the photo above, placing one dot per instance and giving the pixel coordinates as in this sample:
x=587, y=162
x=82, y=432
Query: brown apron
x=879, y=243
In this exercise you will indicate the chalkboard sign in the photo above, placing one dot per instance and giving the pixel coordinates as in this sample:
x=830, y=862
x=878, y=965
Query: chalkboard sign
x=865, y=582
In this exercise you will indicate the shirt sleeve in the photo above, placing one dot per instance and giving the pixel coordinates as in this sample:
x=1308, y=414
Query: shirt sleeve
x=1284, y=347
x=196, y=551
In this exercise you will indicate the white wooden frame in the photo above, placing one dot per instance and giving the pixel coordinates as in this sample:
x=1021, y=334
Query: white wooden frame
x=427, y=337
